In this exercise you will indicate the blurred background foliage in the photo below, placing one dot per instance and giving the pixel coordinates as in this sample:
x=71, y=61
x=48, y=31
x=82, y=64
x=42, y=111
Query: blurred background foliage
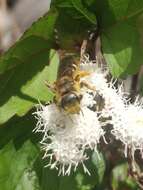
x=28, y=58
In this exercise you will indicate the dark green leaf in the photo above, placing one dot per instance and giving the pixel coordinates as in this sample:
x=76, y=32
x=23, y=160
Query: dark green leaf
x=82, y=9
x=111, y=12
x=121, y=180
x=50, y=179
x=120, y=34
x=19, y=129
x=61, y=3
x=16, y=167
x=122, y=51
x=77, y=19
x=77, y=180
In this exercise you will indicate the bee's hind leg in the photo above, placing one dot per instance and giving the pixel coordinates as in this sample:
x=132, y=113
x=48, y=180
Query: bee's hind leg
x=51, y=87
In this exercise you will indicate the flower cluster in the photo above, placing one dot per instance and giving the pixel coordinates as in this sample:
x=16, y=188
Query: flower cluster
x=128, y=127
x=67, y=137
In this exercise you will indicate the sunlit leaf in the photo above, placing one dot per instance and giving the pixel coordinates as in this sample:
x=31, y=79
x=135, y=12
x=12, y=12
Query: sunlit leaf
x=120, y=34
x=24, y=85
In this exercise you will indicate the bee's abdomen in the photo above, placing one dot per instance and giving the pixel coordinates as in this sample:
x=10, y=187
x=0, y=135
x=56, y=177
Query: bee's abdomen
x=68, y=67
x=65, y=85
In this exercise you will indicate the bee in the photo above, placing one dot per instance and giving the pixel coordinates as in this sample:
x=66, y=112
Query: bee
x=67, y=87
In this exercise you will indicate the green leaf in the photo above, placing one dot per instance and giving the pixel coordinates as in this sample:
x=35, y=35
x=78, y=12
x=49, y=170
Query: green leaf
x=120, y=34
x=24, y=68
x=77, y=180
x=50, y=179
x=6, y=154
x=16, y=167
x=121, y=179
x=99, y=164
x=19, y=129
x=61, y=3
x=35, y=41
x=117, y=19
x=77, y=19
x=82, y=9
x=24, y=85
x=111, y=12
x=121, y=50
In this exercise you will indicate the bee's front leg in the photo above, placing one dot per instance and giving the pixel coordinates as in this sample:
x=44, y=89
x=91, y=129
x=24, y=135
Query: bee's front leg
x=87, y=85
x=81, y=74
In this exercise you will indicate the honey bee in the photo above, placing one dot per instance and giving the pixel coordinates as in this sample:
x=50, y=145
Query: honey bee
x=67, y=87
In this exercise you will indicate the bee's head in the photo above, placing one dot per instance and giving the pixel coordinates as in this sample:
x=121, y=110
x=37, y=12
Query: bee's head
x=71, y=103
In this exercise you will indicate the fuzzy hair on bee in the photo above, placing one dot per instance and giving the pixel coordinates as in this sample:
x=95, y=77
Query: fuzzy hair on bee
x=67, y=87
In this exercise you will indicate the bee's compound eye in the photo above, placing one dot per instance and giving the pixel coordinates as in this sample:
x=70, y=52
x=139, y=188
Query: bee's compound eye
x=69, y=100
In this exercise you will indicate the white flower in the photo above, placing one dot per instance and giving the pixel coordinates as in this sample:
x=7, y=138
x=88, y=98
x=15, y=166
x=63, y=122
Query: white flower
x=126, y=119
x=114, y=99
x=88, y=65
x=128, y=127
x=67, y=137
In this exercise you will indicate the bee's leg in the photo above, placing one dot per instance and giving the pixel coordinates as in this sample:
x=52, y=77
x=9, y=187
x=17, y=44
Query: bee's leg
x=51, y=87
x=82, y=74
x=87, y=85
x=83, y=48
x=55, y=100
